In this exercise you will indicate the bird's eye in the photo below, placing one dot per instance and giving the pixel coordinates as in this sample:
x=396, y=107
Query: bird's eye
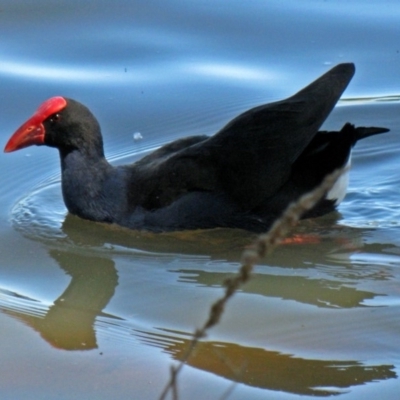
x=55, y=118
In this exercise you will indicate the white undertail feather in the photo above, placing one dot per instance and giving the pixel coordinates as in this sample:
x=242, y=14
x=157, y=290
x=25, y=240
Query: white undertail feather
x=339, y=189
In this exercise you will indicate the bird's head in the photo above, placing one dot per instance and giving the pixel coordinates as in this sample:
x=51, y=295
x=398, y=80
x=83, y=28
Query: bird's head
x=58, y=122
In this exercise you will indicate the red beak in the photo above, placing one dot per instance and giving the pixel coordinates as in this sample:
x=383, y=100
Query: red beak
x=32, y=131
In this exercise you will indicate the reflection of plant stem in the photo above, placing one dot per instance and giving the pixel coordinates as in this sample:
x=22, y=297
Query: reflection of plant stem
x=262, y=246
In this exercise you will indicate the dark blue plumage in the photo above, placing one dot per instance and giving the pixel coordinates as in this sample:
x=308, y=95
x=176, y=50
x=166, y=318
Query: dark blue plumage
x=242, y=177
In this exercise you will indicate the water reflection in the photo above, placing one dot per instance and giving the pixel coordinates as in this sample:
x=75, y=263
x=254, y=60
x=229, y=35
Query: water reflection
x=69, y=322
x=317, y=292
x=151, y=74
x=236, y=72
x=270, y=369
x=217, y=243
x=27, y=69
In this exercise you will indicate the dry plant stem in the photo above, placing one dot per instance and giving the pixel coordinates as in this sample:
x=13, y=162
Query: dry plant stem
x=266, y=242
x=174, y=387
x=263, y=245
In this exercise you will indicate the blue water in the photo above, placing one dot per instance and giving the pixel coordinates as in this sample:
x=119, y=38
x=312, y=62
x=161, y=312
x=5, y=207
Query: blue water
x=92, y=311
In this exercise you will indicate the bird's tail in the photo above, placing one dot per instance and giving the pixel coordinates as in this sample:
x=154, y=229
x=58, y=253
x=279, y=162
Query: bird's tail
x=362, y=132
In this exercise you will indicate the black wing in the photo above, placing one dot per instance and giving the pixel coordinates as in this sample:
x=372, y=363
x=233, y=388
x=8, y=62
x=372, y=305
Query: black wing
x=255, y=152
x=250, y=158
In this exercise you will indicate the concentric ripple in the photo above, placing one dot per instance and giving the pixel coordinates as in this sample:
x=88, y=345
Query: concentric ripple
x=41, y=212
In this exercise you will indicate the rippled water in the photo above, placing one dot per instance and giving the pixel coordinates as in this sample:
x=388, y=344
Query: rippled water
x=93, y=311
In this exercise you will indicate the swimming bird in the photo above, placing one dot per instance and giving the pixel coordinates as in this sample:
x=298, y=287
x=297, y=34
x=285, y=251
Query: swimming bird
x=244, y=176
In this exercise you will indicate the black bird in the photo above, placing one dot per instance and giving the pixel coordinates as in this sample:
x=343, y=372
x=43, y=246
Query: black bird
x=242, y=177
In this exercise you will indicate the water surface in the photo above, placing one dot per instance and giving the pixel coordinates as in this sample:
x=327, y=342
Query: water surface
x=94, y=311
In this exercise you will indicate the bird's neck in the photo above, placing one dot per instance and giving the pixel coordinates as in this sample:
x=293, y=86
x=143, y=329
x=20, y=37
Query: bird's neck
x=92, y=188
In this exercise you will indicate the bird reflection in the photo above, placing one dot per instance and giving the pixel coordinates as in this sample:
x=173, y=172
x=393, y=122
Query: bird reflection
x=325, y=293
x=69, y=323
x=215, y=243
x=270, y=370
